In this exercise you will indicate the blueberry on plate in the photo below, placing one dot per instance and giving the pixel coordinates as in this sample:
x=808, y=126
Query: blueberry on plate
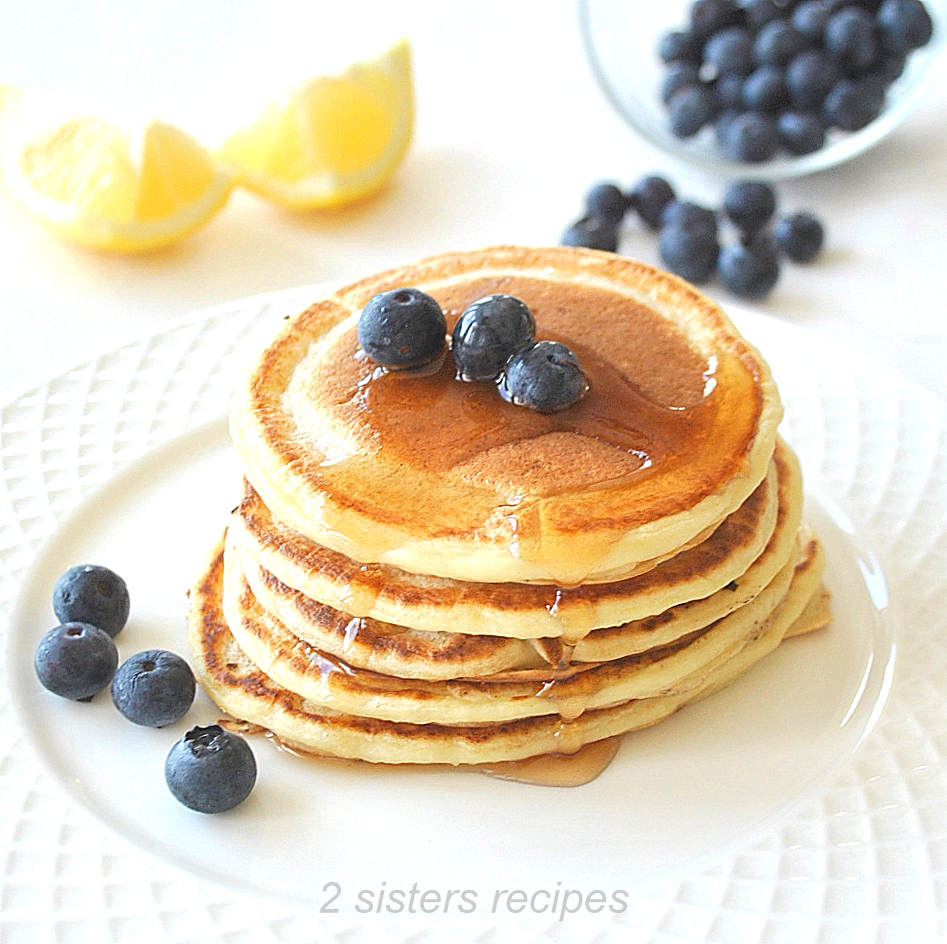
x=778, y=42
x=749, y=268
x=489, y=332
x=809, y=76
x=402, y=328
x=730, y=50
x=210, y=769
x=75, y=660
x=709, y=16
x=649, y=197
x=680, y=46
x=544, y=376
x=689, y=253
x=850, y=39
x=90, y=593
x=749, y=203
x=153, y=688
x=765, y=89
x=800, y=236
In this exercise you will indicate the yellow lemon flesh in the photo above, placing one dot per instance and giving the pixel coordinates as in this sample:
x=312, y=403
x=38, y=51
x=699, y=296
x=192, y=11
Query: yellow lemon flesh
x=333, y=139
x=108, y=185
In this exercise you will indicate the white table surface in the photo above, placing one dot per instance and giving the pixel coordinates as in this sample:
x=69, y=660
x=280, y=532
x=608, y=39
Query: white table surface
x=511, y=131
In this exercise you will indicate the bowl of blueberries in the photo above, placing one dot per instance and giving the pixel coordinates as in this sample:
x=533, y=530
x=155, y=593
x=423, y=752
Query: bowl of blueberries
x=768, y=89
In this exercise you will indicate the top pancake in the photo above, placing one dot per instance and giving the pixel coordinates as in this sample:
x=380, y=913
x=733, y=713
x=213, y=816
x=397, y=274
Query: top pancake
x=437, y=476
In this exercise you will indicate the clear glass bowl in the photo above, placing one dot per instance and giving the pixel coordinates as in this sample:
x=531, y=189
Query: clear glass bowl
x=621, y=40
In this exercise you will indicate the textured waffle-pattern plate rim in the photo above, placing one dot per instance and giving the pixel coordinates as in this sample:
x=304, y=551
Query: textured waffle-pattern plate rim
x=865, y=858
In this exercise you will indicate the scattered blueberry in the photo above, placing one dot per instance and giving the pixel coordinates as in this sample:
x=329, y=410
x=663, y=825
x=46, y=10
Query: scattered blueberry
x=210, y=770
x=749, y=203
x=90, y=593
x=402, y=328
x=591, y=233
x=606, y=202
x=544, y=376
x=685, y=214
x=153, y=688
x=75, y=660
x=749, y=269
x=488, y=334
x=649, y=197
x=800, y=237
x=690, y=253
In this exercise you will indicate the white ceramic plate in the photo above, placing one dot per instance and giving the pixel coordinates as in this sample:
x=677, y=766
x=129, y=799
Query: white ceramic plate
x=809, y=800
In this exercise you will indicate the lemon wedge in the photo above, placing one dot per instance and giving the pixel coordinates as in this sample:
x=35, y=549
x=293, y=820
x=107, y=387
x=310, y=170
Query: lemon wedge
x=333, y=139
x=105, y=184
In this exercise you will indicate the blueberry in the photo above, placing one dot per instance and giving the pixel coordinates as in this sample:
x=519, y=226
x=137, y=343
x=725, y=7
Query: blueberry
x=710, y=16
x=749, y=269
x=402, y=328
x=680, y=46
x=760, y=12
x=750, y=137
x=729, y=90
x=690, y=253
x=89, y=593
x=801, y=132
x=750, y=204
x=730, y=50
x=690, y=109
x=765, y=89
x=605, y=201
x=778, y=42
x=809, y=77
x=799, y=237
x=488, y=334
x=75, y=660
x=649, y=197
x=810, y=19
x=684, y=214
x=850, y=38
x=904, y=25
x=591, y=233
x=678, y=75
x=852, y=104
x=153, y=688
x=544, y=376
x=210, y=770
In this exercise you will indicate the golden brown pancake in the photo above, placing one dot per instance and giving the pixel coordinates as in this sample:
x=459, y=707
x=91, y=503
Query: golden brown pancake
x=385, y=595
x=435, y=476
x=243, y=690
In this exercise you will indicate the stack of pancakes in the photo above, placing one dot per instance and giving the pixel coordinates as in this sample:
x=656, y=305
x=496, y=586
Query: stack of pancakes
x=422, y=572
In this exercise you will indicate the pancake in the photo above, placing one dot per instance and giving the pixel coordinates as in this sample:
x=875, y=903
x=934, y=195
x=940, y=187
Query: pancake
x=385, y=595
x=333, y=683
x=398, y=650
x=439, y=477
x=247, y=693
